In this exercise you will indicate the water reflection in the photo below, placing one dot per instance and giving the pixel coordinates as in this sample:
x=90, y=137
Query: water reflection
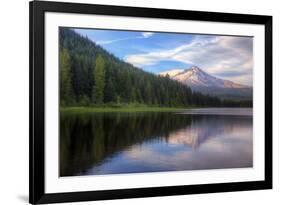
x=109, y=143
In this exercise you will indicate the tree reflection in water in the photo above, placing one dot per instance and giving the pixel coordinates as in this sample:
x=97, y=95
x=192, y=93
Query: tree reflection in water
x=88, y=141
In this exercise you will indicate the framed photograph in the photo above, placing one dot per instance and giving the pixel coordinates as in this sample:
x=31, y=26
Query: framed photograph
x=141, y=102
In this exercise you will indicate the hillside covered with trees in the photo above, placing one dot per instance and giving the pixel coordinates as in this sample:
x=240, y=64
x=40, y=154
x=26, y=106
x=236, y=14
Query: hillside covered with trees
x=91, y=76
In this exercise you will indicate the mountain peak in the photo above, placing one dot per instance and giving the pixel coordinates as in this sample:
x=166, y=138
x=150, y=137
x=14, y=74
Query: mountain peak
x=196, y=77
x=195, y=68
x=199, y=80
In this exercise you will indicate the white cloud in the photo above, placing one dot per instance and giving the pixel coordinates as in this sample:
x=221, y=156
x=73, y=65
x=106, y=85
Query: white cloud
x=114, y=40
x=147, y=34
x=143, y=35
x=217, y=55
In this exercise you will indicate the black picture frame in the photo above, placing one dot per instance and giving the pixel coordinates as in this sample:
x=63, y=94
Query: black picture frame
x=37, y=10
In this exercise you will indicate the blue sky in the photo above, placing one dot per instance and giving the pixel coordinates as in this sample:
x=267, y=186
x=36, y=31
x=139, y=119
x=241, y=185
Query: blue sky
x=226, y=57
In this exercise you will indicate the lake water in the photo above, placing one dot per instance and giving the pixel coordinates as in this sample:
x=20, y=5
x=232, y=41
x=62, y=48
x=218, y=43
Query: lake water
x=113, y=143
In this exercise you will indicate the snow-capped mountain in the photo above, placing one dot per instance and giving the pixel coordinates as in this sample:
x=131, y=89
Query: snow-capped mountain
x=195, y=77
x=201, y=81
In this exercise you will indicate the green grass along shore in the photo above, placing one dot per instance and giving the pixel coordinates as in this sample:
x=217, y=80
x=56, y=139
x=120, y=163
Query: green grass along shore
x=81, y=109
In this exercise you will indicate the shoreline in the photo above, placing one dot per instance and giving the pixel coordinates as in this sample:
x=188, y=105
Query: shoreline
x=82, y=109
x=120, y=109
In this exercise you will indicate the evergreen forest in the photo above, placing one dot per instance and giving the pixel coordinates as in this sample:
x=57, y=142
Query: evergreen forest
x=91, y=76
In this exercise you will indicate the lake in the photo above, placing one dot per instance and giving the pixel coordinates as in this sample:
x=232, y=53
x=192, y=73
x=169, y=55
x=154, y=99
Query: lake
x=134, y=142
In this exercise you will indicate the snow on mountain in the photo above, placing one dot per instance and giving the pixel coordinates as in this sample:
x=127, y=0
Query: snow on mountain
x=195, y=77
x=199, y=80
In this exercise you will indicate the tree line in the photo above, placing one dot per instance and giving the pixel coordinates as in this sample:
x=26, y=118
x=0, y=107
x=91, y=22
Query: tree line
x=89, y=75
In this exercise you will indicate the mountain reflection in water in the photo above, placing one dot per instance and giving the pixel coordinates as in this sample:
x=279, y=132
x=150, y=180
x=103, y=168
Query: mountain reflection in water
x=112, y=143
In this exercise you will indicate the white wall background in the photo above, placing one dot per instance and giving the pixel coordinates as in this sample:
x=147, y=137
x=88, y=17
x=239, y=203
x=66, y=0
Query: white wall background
x=14, y=100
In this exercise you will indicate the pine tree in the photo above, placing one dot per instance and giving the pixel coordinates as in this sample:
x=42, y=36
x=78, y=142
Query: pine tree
x=99, y=78
x=65, y=78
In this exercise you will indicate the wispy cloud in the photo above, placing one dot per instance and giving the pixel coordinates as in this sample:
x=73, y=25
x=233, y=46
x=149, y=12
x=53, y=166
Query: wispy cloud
x=216, y=55
x=143, y=35
x=147, y=34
